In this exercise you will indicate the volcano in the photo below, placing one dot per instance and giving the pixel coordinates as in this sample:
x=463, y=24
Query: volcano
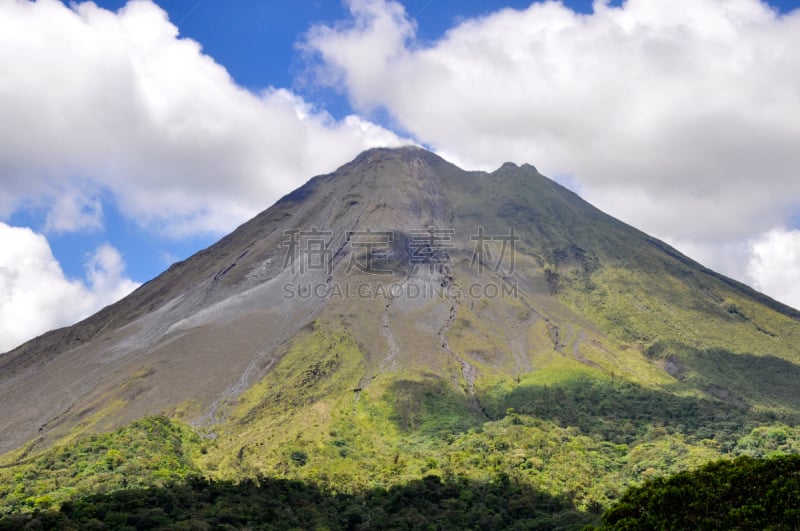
x=402, y=300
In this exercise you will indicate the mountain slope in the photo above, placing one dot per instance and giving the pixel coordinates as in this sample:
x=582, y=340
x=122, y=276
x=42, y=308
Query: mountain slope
x=402, y=315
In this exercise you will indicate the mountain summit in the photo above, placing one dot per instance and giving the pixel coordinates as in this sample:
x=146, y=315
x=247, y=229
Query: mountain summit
x=403, y=295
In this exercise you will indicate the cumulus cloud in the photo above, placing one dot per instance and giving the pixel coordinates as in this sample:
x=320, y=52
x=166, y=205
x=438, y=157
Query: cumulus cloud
x=774, y=264
x=121, y=103
x=100, y=106
x=674, y=116
x=677, y=117
x=74, y=211
x=35, y=296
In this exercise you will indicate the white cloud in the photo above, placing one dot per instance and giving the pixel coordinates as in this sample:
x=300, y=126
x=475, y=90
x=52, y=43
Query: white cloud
x=677, y=117
x=120, y=102
x=774, y=265
x=99, y=106
x=35, y=296
x=74, y=211
x=727, y=257
x=105, y=273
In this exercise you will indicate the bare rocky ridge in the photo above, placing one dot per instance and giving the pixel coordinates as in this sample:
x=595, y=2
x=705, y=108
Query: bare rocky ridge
x=190, y=341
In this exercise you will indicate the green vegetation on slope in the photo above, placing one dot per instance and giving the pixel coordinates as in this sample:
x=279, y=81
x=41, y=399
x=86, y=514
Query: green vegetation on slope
x=581, y=438
x=621, y=361
x=288, y=410
x=745, y=493
x=536, y=476
x=566, y=429
x=624, y=413
x=149, y=452
x=675, y=307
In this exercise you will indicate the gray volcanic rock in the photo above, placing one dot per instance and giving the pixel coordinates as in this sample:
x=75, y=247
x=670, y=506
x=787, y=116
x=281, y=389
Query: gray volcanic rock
x=431, y=268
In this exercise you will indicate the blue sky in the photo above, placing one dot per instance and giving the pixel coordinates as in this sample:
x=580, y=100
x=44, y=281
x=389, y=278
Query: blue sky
x=136, y=134
x=256, y=42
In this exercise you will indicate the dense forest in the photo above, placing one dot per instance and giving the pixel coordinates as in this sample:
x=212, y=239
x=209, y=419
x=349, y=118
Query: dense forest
x=143, y=477
x=746, y=493
x=428, y=503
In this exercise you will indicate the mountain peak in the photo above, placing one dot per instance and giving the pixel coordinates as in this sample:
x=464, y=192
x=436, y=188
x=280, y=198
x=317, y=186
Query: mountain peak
x=425, y=270
x=402, y=153
x=401, y=316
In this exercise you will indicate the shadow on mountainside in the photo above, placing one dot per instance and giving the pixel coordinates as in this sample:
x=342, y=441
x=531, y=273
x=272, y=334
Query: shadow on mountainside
x=427, y=503
x=737, y=388
x=741, y=379
x=430, y=406
x=624, y=412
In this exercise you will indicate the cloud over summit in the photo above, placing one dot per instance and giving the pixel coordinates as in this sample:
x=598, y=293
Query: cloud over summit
x=674, y=116
x=677, y=117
